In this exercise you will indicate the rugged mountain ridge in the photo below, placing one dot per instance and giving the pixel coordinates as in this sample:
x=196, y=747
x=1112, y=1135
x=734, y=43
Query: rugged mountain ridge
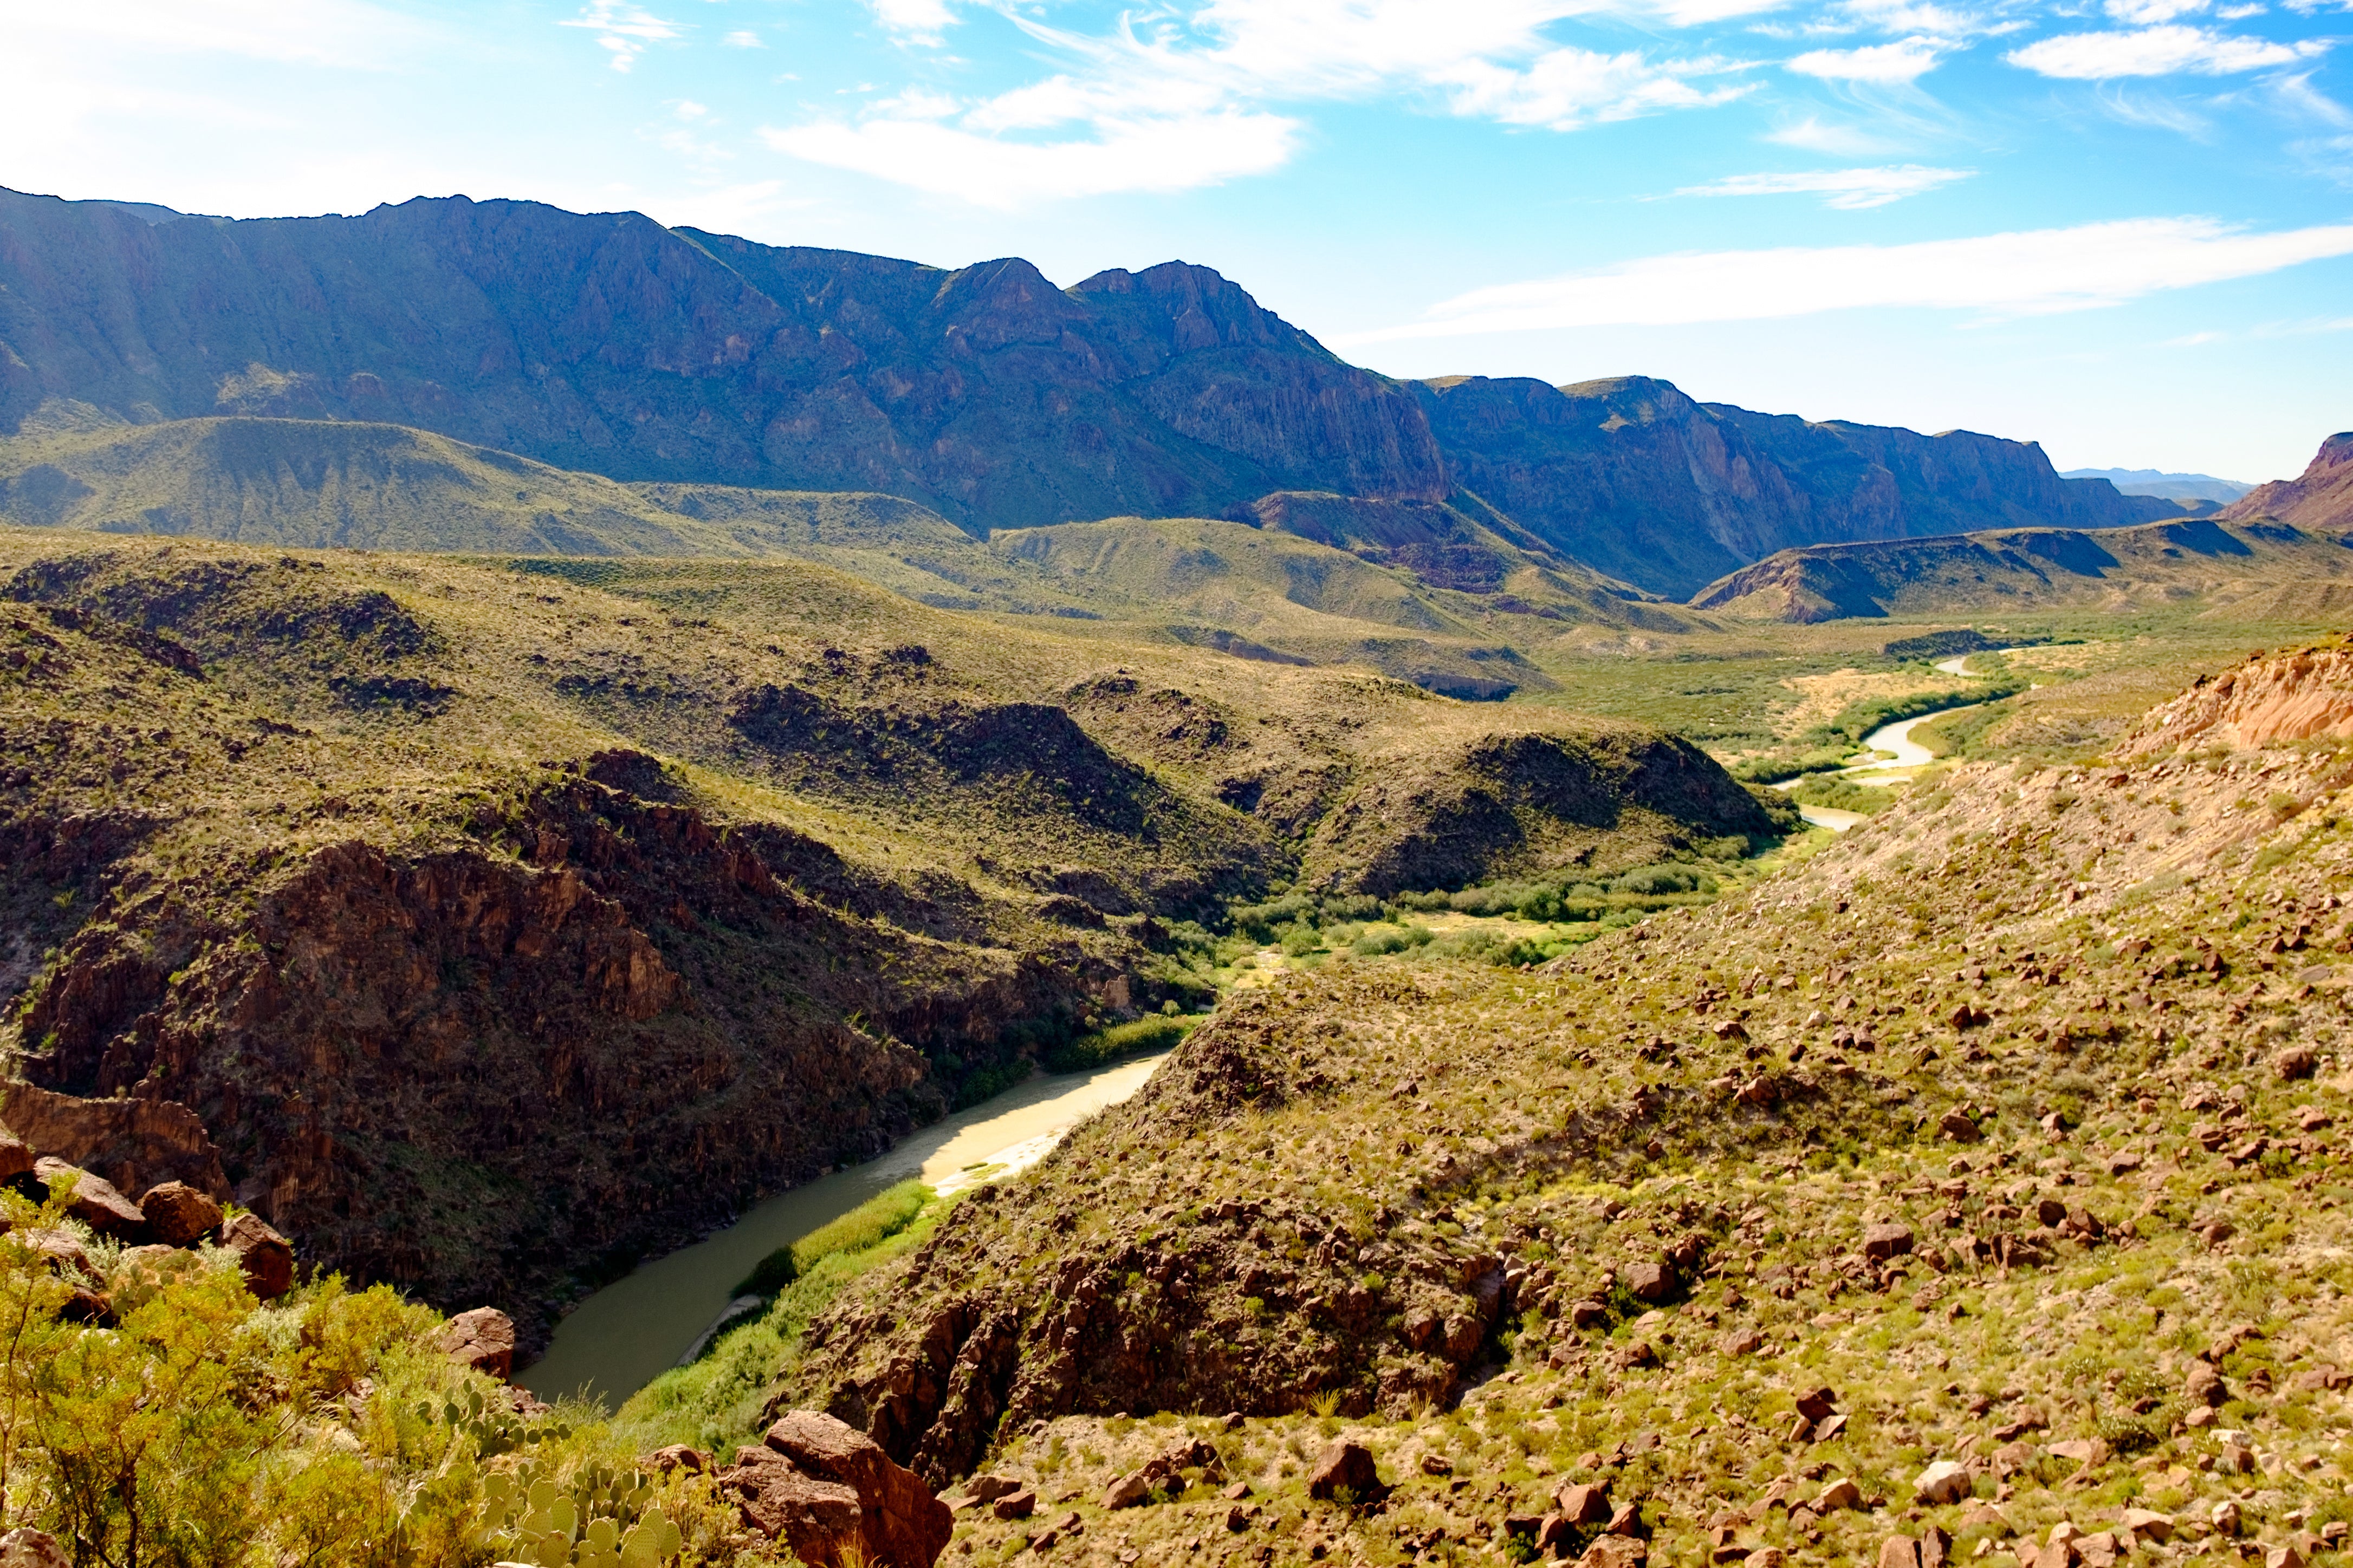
x=2319, y=498
x=1633, y=478
x=608, y=344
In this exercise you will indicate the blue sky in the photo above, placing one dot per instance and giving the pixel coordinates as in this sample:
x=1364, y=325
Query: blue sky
x=2122, y=227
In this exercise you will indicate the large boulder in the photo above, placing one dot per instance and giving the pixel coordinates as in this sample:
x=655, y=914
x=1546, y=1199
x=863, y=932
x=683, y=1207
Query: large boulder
x=178, y=1215
x=483, y=1339
x=15, y=1159
x=96, y=1202
x=822, y=1521
x=266, y=1257
x=1345, y=1466
x=898, y=1522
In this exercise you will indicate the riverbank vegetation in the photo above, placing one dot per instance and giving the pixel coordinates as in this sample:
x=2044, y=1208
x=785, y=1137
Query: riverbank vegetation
x=716, y=1404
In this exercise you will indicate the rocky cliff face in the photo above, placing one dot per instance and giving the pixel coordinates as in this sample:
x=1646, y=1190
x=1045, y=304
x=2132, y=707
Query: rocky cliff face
x=1633, y=478
x=607, y=343
x=2321, y=498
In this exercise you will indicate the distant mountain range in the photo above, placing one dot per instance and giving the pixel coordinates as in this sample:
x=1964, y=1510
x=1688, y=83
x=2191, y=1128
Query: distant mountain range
x=2182, y=488
x=608, y=346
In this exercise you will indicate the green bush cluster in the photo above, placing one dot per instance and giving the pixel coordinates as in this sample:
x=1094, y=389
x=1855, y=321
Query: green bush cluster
x=872, y=1223
x=193, y=1426
x=1157, y=1032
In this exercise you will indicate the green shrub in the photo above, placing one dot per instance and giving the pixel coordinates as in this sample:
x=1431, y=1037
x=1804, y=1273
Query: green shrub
x=1380, y=940
x=1158, y=1033
x=876, y=1220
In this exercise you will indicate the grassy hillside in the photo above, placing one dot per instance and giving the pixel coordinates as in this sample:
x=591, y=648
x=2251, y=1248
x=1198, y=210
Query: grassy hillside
x=2004, y=1134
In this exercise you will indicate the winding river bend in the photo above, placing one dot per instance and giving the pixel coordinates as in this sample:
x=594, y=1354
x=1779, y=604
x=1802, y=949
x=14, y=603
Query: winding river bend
x=621, y=1338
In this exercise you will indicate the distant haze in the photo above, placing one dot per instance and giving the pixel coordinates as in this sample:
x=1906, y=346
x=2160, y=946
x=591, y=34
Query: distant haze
x=2172, y=487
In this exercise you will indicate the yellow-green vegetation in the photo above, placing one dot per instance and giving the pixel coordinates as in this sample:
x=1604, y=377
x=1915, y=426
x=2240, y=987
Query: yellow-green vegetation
x=1154, y=1032
x=1845, y=794
x=170, y=1419
x=875, y=1221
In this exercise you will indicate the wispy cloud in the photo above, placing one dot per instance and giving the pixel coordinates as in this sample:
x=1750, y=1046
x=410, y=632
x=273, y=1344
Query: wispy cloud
x=1904, y=61
x=1196, y=100
x=2157, y=51
x=744, y=38
x=1168, y=153
x=1839, y=140
x=624, y=30
x=1847, y=189
x=2031, y=272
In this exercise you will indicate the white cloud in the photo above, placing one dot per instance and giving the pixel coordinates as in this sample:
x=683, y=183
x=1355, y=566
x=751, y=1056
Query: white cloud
x=1216, y=82
x=1163, y=154
x=744, y=38
x=1839, y=141
x=624, y=30
x=1904, y=61
x=921, y=21
x=2031, y=272
x=2157, y=51
x=1847, y=189
x=2148, y=13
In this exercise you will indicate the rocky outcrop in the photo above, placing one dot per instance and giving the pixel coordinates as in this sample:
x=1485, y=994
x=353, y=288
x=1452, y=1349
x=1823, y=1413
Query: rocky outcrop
x=1166, y=1313
x=482, y=1339
x=2321, y=498
x=2264, y=702
x=1633, y=478
x=832, y=1496
x=133, y=1143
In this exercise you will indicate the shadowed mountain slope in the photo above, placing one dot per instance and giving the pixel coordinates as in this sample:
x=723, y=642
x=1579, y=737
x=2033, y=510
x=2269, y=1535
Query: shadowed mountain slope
x=608, y=343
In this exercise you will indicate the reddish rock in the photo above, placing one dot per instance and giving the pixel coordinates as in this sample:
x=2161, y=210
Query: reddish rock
x=1348, y=1466
x=266, y=1257
x=95, y=1202
x=1959, y=1127
x=1019, y=1504
x=483, y=1339
x=679, y=1457
x=822, y=1521
x=1881, y=1242
x=2296, y=1062
x=1818, y=1404
x=1651, y=1281
x=15, y=1159
x=178, y=1215
x=1582, y=1504
x=900, y=1522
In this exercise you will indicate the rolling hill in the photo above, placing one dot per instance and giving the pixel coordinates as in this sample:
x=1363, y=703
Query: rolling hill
x=2241, y=563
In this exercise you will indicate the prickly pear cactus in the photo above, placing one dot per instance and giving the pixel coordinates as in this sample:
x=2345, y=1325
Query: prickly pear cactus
x=604, y=1519
x=495, y=1430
